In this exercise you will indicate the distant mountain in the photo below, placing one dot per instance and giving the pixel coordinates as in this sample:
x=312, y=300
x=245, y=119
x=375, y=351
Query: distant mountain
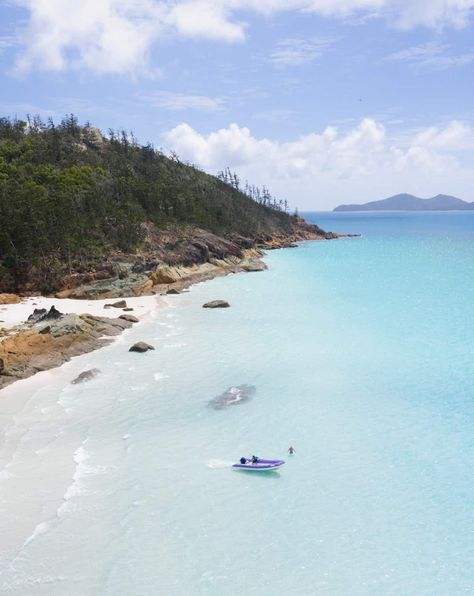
x=406, y=202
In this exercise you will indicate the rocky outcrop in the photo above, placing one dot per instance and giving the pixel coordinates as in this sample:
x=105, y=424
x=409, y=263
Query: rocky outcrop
x=141, y=347
x=216, y=304
x=41, y=314
x=176, y=258
x=36, y=315
x=51, y=342
x=165, y=278
x=87, y=375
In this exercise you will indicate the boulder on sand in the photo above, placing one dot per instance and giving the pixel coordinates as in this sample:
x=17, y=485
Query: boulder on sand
x=141, y=347
x=118, y=304
x=216, y=304
x=129, y=318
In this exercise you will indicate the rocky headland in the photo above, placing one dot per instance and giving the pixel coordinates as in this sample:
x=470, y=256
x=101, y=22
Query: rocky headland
x=52, y=339
x=167, y=264
x=172, y=260
x=117, y=219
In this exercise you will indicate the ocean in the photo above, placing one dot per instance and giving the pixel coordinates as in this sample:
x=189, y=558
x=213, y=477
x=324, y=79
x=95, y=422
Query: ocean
x=358, y=352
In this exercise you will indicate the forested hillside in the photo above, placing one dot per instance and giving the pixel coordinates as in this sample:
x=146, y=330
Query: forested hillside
x=69, y=196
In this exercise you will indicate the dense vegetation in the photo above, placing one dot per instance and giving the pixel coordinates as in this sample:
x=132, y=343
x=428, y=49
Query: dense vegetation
x=68, y=196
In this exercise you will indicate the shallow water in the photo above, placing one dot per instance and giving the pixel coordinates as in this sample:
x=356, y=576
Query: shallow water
x=361, y=355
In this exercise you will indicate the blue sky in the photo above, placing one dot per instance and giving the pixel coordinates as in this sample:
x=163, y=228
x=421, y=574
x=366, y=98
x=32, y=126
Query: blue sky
x=323, y=101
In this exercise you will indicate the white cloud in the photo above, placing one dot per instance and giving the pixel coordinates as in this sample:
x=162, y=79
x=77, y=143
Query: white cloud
x=431, y=55
x=183, y=101
x=116, y=36
x=431, y=13
x=297, y=51
x=334, y=163
x=102, y=35
x=203, y=18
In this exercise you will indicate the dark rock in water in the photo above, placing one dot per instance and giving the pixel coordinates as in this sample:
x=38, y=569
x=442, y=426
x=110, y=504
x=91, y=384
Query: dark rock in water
x=216, y=304
x=129, y=318
x=128, y=309
x=37, y=314
x=141, y=346
x=118, y=304
x=233, y=396
x=173, y=291
x=87, y=375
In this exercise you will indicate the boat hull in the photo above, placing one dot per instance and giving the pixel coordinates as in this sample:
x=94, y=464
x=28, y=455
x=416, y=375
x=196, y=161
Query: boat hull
x=263, y=465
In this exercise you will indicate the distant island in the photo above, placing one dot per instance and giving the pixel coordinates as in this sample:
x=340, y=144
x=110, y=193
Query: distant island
x=406, y=202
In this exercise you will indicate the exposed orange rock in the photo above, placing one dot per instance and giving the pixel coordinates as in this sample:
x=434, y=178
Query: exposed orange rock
x=9, y=299
x=46, y=345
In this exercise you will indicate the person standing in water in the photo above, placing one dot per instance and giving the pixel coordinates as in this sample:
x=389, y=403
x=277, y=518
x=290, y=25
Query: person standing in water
x=291, y=450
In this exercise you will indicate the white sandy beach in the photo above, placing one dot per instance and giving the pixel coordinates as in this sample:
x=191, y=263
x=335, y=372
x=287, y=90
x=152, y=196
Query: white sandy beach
x=57, y=459
x=15, y=314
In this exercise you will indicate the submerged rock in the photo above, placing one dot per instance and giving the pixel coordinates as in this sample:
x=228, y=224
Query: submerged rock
x=233, y=396
x=141, y=347
x=87, y=375
x=216, y=304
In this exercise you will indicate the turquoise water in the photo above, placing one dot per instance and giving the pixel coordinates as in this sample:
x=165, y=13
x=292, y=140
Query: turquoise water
x=361, y=355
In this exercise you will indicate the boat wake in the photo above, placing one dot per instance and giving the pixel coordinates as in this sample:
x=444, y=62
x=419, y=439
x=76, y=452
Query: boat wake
x=216, y=464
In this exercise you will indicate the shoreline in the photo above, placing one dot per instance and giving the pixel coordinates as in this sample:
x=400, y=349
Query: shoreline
x=29, y=348
x=15, y=330
x=36, y=350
